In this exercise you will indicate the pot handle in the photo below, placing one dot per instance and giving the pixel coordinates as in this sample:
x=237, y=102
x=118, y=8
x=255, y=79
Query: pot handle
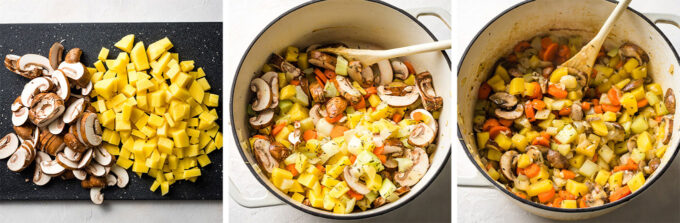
x=440, y=13
x=664, y=18
x=475, y=180
x=252, y=202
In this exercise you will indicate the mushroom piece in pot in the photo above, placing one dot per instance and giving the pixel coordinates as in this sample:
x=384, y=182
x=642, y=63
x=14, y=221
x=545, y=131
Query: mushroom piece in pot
x=263, y=156
x=669, y=101
x=272, y=78
x=335, y=107
x=399, y=69
x=350, y=176
x=263, y=119
x=557, y=160
x=401, y=96
x=348, y=91
x=429, y=97
x=507, y=162
x=634, y=51
x=386, y=73
x=317, y=92
x=316, y=113
x=422, y=135
x=354, y=70
x=510, y=115
x=504, y=100
x=281, y=64
x=322, y=60
x=263, y=94
x=420, y=164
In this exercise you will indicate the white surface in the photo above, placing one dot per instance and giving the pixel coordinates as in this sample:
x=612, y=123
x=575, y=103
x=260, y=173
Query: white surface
x=433, y=205
x=16, y=11
x=485, y=204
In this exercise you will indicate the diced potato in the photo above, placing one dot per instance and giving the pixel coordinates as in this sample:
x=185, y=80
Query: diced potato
x=636, y=182
x=576, y=188
x=568, y=204
x=539, y=187
x=125, y=44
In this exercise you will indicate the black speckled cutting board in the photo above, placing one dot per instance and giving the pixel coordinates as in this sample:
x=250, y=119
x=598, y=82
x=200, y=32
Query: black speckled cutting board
x=201, y=42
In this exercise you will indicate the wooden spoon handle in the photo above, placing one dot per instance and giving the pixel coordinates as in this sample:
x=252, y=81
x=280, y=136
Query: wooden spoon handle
x=416, y=49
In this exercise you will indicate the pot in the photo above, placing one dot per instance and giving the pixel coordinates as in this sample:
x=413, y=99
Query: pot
x=527, y=19
x=371, y=24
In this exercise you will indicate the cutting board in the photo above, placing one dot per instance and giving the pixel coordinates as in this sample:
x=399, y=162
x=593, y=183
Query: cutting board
x=201, y=42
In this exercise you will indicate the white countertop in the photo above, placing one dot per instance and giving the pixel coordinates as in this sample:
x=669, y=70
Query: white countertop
x=660, y=203
x=431, y=206
x=67, y=11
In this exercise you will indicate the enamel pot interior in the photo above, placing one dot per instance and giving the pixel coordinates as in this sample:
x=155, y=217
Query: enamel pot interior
x=356, y=23
x=581, y=17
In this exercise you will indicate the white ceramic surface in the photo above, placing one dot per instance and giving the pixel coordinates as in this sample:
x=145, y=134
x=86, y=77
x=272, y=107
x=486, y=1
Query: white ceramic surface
x=580, y=17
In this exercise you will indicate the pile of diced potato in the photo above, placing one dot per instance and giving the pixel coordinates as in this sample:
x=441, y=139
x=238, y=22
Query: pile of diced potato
x=155, y=111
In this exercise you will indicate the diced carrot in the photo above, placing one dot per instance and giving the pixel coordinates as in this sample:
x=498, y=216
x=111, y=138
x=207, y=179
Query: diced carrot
x=371, y=90
x=585, y=106
x=489, y=123
x=291, y=168
x=333, y=120
x=484, y=91
x=382, y=158
x=355, y=195
x=565, y=111
x=329, y=74
x=598, y=109
x=278, y=128
x=557, y=202
x=619, y=193
x=543, y=139
x=538, y=104
x=521, y=46
x=596, y=102
x=417, y=116
x=295, y=82
x=353, y=158
x=565, y=195
x=309, y=135
x=600, y=54
x=611, y=108
x=338, y=131
x=568, y=174
x=658, y=118
x=378, y=150
x=642, y=103
x=261, y=137
x=549, y=54
x=538, y=93
x=614, y=95
x=532, y=170
x=545, y=42
x=557, y=92
x=520, y=171
x=582, y=202
x=409, y=66
x=619, y=65
x=320, y=167
x=397, y=117
x=529, y=111
x=546, y=196
x=594, y=159
x=319, y=80
x=360, y=105
x=497, y=130
x=320, y=75
x=593, y=73
x=505, y=122
x=564, y=52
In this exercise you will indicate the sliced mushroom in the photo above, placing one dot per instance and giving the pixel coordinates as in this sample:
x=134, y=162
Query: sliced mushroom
x=420, y=164
x=95, y=169
x=322, y=60
x=367, y=75
x=400, y=97
x=510, y=115
x=263, y=119
x=393, y=146
x=111, y=180
x=33, y=87
x=668, y=124
x=66, y=163
x=86, y=159
x=428, y=96
x=121, y=174
x=669, y=101
x=25, y=131
x=557, y=160
x=8, y=145
x=380, y=201
x=11, y=63
x=72, y=155
x=272, y=78
x=79, y=174
x=51, y=143
x=85, y=91
x=386, y=73
x=57, y=126
x=74, y=110
x=76, y=72
x=278, y=151
x=16, y=105
x=354, y=69
x=421, y=135
x=34, y=60
x=72, y=142
x=18, y=161
x=316, y=90
x=103, y=157
x=335, y=107
x=348, y=91
x=353, y=181
x=317, y=113
x=576, y=112
x=616, y=132
x=20, y=116
x=40, y=178
x=653, y=165
x=62, y=85
x=262, y=155
x=281, y=64
x=391, y=163
x=45, y=108
x=507, y=162
x=56, y=55
x=504, y=100
x=400, y=70
x=431, y=122
x=633, y=85
x=51, y=168
x=96, y=195
x=89, y=129
x=263, y=94
x=632, y=50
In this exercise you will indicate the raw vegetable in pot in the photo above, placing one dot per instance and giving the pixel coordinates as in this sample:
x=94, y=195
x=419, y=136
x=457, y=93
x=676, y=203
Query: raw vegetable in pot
x=340, y=136
x=552, y=138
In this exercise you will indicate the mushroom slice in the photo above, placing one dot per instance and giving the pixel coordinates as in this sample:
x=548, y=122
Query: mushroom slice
x=95, y=169
x=25, y=131
x=111, y=180
x=121, y=174
x=431, y=122
x=316, y=90
x=263, y=94
x=263, y=156
x=72, y=142
x=386, y=73
x=16, y=105
x=278, y=151
x=420, y=164
x=11, y=63
x=348, y=91
x=85, y=91
x=317, y=113
x=86, y=159
x=632, y=50
x=62, y=84
x=633, y=85
x=504, y=100
x=79, y=174
x=428, y=96
x=57, y=126
x=400, y=70
x=272, y=78
x=102, y=156
x=74, y=110
x=508, y=159
x=353, y=181
x=18, y=161
x=52, y=168
x=322, y=60
x=72, y=155
x=354, y=70
x=557, y=160
x=76, y=72
x=89, y=125
x=668, y=131
x=56, y=55
x=96, y=195
x=39, y=177
x=51, y=143
x=281, y=64
x=263, y=119
x=335, y=107
x=45, y=108
x=36, y=60
x=20, y=116
x=367, y=75
x=576, y=111
x=510, y=115
x=33, y=87
x=66, y=163
x=669, y=101
x=616, y=132
x=421, y=135
x=8, y=145
x=401, y=96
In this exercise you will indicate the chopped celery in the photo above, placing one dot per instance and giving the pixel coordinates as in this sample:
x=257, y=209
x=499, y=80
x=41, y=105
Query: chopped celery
x=284, y=106
x=330, y=90
x=341, y=66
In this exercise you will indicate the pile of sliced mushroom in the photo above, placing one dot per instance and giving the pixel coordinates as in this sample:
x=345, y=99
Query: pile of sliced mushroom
x=55, y=125
x=365, y=133
x=557, y=137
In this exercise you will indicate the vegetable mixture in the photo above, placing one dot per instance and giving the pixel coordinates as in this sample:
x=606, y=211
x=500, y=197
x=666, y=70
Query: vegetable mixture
x=567, y=139
x=335, y=134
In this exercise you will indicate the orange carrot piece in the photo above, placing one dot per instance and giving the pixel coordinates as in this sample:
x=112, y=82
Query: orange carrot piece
x=529, y=111
x=568, y=174
x=355, y=195
x=549, y=54
x=333, y=120
x=619, y=193
x=521, y=46
x=546, y=196
x=538, y=104
x=532, y=170
x=611, y=108
x=338, y=131
x=291, y=168
x=309, y=135
x=484, y=91
x=565, y=111
x=261, y=137
x=409, y=66
x=614, y=95
x=278, y=128
x=557, y=92
x=642, y=103
x=489, y=123
x=506, y=122
x=397, y=117
x=497, y=130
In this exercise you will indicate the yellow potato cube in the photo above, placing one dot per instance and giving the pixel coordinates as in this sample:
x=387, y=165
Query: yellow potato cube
x=307, y=179
x=105, y=88
x=108, y=119
x=144, y=84
x=211, y=100
x=204, y=83
x=602, y=177
x=99, y=65
x=180, y=138
x=186, y=65
x=138, y=56
x=155, y=120
x=103, y=54
x=125, y=44
x=193, y=172
x=196, y=91
x=204, y=160
x=636, y=182
x=165, y=145
x=121, y=124
x=179, y=93
x=159, y=47
x=539, y=187
x=644, y=142
x=576, y=188
x=568, y=204
x=182, y=80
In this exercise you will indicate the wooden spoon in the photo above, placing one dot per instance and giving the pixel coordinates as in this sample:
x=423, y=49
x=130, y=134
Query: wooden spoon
x=369, y=57
x=585, y=59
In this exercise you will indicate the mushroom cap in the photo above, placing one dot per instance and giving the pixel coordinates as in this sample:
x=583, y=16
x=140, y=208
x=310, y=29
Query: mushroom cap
x=421, y=135
x=504, y=100
x=429, y=97
x=262, y=155
x=103, y=157
x=632, y=50
x=79, y=174
x=96, y=196
x=45, y=108
x=323, y=60
x=34, y=59
x=33, y=87
x=272, y=78
x=668, y=131
x=121, y=174
x=420, y=164
x=399, y=97
x=8, y=145
x=386, y=73
x=508, y=159
x=56, y=55
x=40, y=178
x=95, y=169
x=353, y=181
x=316, y=113
x=51, y=168
x=347, y=90
x=354, y=69
x=57, y=126
x=76, y=72
x=89, y=129
x=263, y=94
x=316, y=90
x=61, y=83
x=20, y=116
x=336, y=106
x=669, y=101
x=262, y=120
x=510, y=115
x=400, y=70
x=74, y=110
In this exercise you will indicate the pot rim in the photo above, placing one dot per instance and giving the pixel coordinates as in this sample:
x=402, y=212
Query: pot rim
x=319, y=212
x=541, y=206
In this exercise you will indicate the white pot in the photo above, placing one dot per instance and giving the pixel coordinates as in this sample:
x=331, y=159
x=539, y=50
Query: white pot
x=367, y=23
x=528, y=19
